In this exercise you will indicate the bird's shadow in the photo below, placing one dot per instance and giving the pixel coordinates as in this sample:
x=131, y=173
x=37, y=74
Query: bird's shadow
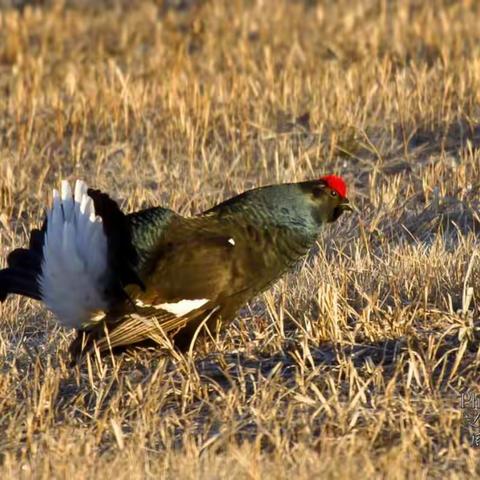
x=227, y=370
x=230, y=369
x=218, y=373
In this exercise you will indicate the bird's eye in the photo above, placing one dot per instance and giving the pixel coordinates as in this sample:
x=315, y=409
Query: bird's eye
x=334, y=193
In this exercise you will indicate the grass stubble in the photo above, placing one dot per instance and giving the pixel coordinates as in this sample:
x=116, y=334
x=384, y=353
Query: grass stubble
x=354, y=364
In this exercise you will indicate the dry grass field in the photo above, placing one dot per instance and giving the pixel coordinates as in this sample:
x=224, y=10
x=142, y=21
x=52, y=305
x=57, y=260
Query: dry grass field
x=350, y=367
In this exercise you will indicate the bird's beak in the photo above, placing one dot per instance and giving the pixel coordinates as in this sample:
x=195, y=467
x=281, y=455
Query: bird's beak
x=346, y=205
x=340, y=208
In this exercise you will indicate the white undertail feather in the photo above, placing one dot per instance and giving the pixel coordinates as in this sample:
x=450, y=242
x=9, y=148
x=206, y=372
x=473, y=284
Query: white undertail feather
x=74, y=263
x=179, y=309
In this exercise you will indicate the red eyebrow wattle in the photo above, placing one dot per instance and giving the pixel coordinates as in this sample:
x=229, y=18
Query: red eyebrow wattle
x=336, y=183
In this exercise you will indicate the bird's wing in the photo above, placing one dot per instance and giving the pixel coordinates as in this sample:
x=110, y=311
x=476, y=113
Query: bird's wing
x=185, y=274
x=194, y=260
x=189, y=273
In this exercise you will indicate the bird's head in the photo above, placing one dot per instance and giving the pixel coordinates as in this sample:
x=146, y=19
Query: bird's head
x=303, y=206
x=327, y=198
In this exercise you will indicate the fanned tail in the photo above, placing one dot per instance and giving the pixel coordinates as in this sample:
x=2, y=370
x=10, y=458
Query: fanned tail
x=74, y=266
x=79, y=261
x=66, y=264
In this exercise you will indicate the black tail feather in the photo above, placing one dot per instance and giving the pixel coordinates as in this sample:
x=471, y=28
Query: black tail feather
x=123, y=256
x=25, y=259
x=24, y=268
x=19, y=281
x=37, y=238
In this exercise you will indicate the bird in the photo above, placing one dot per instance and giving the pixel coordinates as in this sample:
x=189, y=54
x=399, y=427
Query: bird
x=122, y=279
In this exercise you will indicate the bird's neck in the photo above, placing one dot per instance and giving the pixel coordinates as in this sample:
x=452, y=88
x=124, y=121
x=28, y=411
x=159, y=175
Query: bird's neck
x=280, y=233
x=285, y=220
x=281, y=206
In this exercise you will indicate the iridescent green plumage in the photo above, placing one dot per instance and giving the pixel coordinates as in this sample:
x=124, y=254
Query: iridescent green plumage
x=223, y=257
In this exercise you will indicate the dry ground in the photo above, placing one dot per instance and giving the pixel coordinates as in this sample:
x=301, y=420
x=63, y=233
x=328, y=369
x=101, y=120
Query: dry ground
x=354, y=364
